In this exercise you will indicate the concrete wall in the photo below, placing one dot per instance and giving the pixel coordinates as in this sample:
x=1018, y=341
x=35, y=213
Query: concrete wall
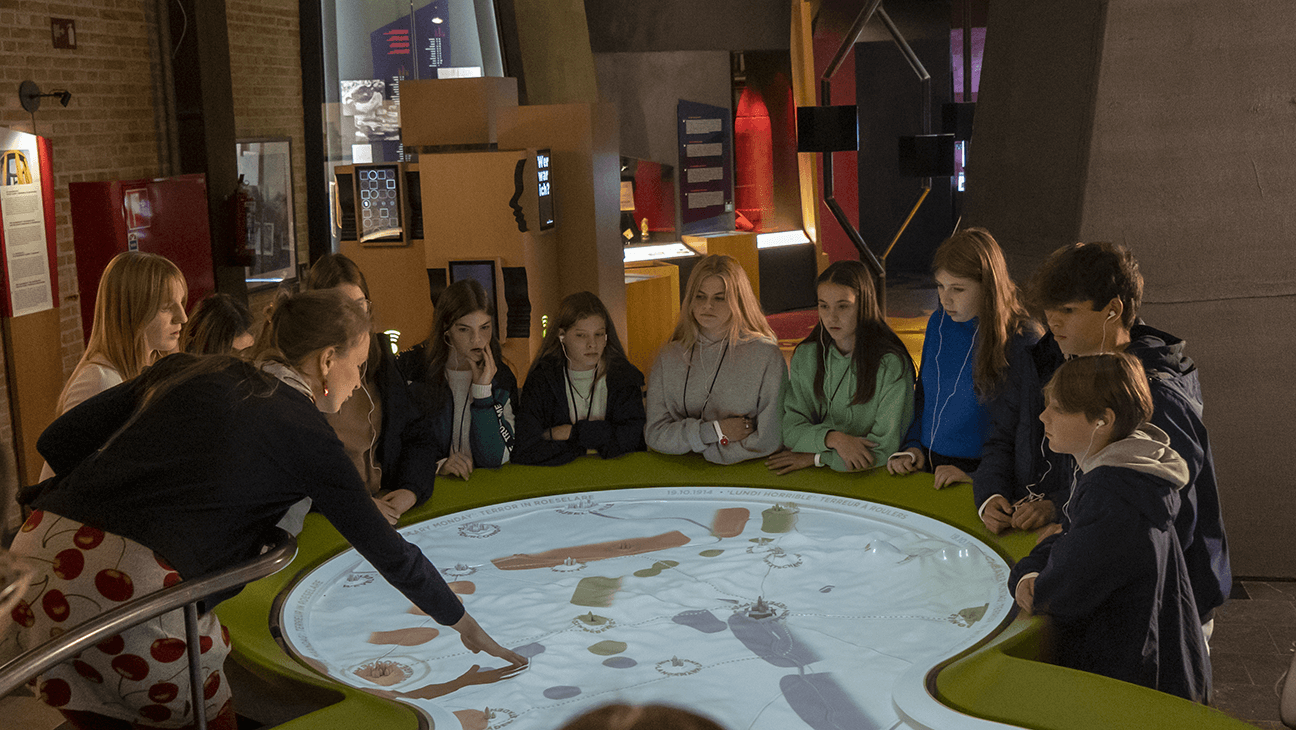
x=629, y=26
x=645, y=88
x=1166, y=126
x=555, y=49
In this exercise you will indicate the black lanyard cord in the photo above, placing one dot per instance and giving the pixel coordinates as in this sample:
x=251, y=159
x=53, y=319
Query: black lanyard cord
x=684, y=394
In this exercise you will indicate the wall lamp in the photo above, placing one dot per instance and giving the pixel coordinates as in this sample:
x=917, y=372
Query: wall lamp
x=29, y=93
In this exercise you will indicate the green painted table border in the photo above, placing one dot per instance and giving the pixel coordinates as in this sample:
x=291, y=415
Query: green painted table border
x=997, y=680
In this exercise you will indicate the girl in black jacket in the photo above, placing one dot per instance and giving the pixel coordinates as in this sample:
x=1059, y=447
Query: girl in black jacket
x=582, y=395
x=396, y=462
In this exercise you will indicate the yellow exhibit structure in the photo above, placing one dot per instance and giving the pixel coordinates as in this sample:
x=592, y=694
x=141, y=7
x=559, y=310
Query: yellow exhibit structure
x=652, y=309
x=522, y=199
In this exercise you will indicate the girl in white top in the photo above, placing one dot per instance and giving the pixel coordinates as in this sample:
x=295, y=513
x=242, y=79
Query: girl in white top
x=139, y=311
x=714, y=388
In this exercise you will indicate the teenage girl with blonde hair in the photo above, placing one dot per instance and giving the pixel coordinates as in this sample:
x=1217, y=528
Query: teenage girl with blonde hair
x=970, y=338
x=715, y=386
x=139, y=312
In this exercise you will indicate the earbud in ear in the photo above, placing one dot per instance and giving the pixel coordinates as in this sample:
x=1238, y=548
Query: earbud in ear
x=1110, y=315
x=562, y=338
x=1100, y=422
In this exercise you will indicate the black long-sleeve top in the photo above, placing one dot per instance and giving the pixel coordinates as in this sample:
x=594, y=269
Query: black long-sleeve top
x=543, y=405
x=211, y=465
x=405, y=453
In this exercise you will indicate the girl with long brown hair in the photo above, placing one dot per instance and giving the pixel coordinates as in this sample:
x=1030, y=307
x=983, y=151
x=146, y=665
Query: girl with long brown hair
x=396, y=465
x=582, y=395
x=980, y=321
x=219, y=325
x=715, y=386
x=850, y=391
x=462, y=385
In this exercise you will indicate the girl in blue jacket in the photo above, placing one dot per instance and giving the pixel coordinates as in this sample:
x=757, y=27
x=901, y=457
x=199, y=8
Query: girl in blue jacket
x=979, y=322
x=582, y=395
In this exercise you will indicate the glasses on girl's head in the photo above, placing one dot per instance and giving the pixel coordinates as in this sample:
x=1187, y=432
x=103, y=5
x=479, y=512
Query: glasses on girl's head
x=366, y=304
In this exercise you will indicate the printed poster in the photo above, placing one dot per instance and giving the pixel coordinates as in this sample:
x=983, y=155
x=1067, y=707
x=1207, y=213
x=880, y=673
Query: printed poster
x=22, y=213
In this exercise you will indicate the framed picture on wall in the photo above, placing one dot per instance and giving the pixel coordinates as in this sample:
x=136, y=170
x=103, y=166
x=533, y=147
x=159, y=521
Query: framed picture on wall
x=265, y=165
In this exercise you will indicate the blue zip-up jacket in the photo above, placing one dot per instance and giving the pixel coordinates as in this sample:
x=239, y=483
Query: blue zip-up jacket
x=1177, y=410
x=1014, y=460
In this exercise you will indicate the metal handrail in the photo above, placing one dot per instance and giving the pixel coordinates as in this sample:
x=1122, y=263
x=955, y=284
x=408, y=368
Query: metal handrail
x=186, y=594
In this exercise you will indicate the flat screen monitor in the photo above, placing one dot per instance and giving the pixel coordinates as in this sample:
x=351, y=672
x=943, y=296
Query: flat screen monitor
x=481, y=271
x=379, y=214
x=544, y=189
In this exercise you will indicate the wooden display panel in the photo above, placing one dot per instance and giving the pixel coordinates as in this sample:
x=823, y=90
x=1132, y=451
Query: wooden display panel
x=652, y=309
x=739, y=244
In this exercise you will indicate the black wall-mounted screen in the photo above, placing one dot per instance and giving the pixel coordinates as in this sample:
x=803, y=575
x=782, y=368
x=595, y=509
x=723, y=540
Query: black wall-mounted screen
x=544, y=189
x=414, y=193
x=827, y=128
x=483, y=272
x=378, y=196
x=346, y=207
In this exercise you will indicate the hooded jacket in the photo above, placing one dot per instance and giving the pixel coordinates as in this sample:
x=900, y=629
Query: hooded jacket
x=1114, y=581
x=1015, y=454
x=1177, y=410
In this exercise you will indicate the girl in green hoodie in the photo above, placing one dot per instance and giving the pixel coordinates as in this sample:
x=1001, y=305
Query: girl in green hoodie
x=850, y=397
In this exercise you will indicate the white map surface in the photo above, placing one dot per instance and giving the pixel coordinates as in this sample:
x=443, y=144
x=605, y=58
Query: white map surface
x=762, y=609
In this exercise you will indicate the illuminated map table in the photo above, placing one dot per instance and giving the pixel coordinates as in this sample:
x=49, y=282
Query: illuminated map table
x=763, y=609
x=998, y=681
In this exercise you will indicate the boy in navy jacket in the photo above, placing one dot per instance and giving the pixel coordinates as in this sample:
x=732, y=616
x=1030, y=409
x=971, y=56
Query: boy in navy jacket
x=1114, y=579
x=1090, y=294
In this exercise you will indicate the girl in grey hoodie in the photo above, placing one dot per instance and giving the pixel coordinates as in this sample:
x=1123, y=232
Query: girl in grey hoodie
x=714, y=388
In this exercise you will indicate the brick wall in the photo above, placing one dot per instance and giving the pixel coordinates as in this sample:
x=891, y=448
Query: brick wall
x=107, y=131
x=265, y=66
